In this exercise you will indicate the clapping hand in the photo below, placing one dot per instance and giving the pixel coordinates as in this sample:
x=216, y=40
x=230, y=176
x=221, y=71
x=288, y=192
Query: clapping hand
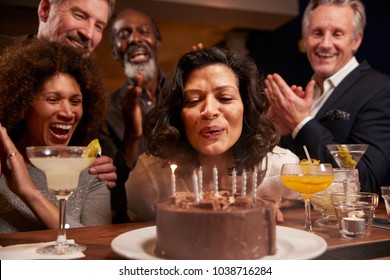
x=288, y=105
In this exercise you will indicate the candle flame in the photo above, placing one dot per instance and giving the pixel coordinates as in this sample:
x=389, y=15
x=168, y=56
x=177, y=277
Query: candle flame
x=356, y=214
x=173, y=168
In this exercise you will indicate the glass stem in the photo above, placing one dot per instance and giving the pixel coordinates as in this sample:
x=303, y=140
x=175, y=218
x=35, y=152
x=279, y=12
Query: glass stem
x=61, y=237
x=308, y=225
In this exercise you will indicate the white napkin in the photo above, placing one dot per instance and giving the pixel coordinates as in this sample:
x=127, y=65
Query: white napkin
x=29, y=252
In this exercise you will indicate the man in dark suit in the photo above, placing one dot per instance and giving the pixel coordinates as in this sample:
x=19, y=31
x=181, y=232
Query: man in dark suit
x=345, y=103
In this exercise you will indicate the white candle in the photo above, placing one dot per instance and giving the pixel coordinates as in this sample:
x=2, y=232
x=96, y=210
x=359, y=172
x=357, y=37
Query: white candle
x=200, y=173
x=254, y=183
x=243, y=186
x=173, y=179
x=215, y=179
x=234, y=181
x=353, y=225
x=195, y=186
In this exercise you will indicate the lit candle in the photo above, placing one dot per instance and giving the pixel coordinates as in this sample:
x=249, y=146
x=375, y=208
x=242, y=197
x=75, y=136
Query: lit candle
x=173, y=179
x=200, y=173
x=234, y=181
x=215, y=179
x=353, y=226
x=243, y=187
x=356, y=214
x=254, y=183
x=196, y=187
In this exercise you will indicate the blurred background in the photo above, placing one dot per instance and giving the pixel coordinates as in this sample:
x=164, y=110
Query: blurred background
x=266, y=30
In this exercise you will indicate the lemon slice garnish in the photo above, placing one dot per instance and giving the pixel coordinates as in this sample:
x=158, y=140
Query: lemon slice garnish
x=307, y=166
x=93, y=144
x=305, y=161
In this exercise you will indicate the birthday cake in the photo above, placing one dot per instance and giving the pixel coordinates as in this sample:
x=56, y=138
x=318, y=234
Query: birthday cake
x=217, y=227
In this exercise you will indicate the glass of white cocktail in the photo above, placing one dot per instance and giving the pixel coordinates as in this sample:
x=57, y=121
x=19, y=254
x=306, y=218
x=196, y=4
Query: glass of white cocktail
x=62, y=167
x=347, y=155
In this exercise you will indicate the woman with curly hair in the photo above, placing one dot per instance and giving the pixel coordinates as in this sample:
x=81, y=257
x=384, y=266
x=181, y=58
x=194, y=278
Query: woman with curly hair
x=212, y=114
x=50, y=95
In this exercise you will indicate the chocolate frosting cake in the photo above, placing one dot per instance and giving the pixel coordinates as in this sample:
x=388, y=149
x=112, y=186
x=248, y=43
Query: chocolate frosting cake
x=217, y=227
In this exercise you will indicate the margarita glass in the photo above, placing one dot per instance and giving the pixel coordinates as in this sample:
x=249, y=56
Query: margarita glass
x=62, y=167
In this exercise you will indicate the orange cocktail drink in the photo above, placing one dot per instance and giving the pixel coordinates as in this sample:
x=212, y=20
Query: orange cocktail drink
x=307, y=179
x=307, y=184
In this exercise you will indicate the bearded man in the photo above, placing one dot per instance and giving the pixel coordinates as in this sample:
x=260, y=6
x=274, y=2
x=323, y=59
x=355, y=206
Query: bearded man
x=135, y=42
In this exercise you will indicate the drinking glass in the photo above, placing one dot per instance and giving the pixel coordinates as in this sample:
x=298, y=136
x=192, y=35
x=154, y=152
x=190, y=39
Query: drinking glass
x=355, y=212
x=347, y=155
x=307, y=179
x=385, y=191
x=346, y=180
x=62, y=167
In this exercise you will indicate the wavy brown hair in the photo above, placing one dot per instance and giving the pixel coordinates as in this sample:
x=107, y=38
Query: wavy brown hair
x=164, y=130
x=25, y=67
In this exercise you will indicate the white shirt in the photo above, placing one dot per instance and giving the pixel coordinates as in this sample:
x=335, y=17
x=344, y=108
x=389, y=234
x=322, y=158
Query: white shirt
x=329, y=86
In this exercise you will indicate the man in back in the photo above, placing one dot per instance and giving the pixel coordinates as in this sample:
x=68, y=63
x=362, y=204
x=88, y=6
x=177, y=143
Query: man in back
x=80, y=23
x=135, y=41
x=346, y=102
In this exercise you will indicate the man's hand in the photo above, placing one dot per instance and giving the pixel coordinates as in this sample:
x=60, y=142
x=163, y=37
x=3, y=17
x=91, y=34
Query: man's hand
x=278, y=122
x=288, y=105
x=105, y=169
x=131, y=108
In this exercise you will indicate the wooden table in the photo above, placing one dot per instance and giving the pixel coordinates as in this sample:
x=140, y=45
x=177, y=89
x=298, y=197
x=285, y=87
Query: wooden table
x=98, y=239
x=295, y=218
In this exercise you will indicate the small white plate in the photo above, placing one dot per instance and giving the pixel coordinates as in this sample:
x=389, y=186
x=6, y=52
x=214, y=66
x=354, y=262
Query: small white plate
x=291, y=244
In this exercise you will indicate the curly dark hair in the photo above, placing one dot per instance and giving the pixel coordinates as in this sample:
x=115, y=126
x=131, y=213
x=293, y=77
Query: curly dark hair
x=25, y=67
x=164, y=129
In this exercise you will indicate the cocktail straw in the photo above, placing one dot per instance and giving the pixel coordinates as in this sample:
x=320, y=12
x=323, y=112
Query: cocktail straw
x=307, y=154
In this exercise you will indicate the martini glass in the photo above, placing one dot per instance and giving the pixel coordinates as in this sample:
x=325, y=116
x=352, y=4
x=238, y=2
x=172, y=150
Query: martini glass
x=62, y=167
x=347, y=155
x=307, y=179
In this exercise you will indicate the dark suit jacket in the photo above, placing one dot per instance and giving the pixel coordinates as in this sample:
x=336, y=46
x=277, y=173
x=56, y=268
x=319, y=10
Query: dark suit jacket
x=358, y=111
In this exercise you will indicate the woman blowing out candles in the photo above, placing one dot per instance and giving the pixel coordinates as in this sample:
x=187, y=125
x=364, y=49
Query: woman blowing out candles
x=212, y=115
x=50, y=95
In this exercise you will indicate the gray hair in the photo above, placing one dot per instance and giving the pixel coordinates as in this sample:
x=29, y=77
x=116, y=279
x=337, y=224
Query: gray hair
x=111, y=5
x=359, y=21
